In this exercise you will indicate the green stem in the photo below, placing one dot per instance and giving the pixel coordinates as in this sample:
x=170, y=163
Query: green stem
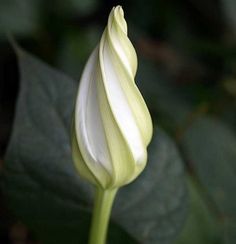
x=101, y=215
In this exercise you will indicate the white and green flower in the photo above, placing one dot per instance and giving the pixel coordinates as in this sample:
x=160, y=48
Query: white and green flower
x=112, y=126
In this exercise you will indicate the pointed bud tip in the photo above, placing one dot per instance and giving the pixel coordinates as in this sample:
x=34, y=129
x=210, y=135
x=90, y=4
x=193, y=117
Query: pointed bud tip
x=117, y=17
x=119, y=10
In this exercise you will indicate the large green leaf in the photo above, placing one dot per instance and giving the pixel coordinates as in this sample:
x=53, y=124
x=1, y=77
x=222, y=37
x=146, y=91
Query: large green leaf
x=211, y=148
x=46, y=192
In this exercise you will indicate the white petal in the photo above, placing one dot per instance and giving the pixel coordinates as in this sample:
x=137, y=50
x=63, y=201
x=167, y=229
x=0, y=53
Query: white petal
x=120, y=106
x=89, y=128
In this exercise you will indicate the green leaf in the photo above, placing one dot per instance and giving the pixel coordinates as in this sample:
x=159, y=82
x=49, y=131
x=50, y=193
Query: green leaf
x=202, y=225
x=40, y=180
x=44, y=189
x=229, y=232
x=211, y=147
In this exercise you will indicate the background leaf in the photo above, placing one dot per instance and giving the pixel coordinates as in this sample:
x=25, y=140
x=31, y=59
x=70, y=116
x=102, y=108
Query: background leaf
x=202, y=225
x=44, y=189
x=210, y=146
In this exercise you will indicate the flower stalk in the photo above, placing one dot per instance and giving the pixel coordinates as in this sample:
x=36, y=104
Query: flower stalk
x=101, y=215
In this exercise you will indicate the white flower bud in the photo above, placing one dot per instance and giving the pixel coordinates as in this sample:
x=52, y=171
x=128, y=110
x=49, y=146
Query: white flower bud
x=112, y=125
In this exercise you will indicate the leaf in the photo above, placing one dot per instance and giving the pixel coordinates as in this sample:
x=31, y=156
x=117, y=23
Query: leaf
x=202, y=225
x=46, y=192
x=211, y=147
x=40, y=180
x=229, y=232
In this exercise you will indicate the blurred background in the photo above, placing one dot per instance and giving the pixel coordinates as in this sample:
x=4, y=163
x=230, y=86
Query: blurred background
x=187, y=74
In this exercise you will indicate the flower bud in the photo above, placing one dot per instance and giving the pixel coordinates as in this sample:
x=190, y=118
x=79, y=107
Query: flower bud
x=112, y=125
